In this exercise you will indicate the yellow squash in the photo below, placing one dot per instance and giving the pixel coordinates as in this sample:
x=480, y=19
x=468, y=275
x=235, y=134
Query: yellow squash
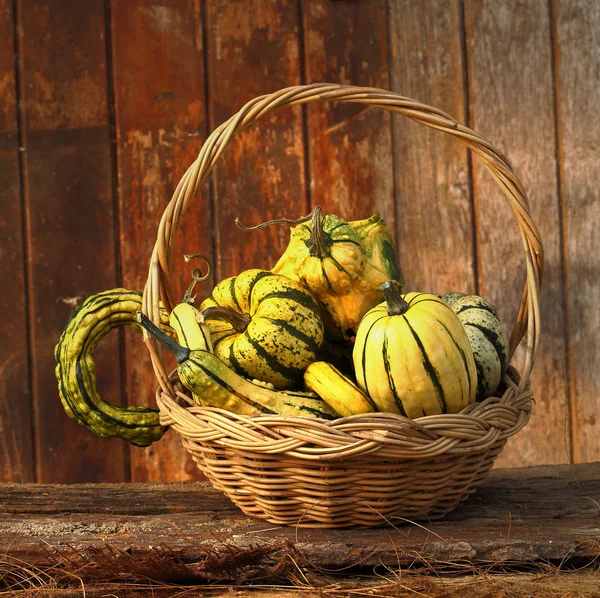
x=337, y=389
x=342, y=264
x=412, y=356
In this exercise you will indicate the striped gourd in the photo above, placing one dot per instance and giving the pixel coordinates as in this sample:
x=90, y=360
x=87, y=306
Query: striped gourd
x=487, y=337
x=264, y=326
x=214, y=384
x=76, y=369
x=412, y=356
x=190, y=333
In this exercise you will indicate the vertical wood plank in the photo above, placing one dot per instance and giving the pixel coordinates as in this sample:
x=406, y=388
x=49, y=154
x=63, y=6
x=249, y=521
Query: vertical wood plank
x=512, y=104
x=350, y=146
x=434, y=204
x=160, y=117
x=578, y=54
x=253, y=49
x=16, y=444
x=69, y=210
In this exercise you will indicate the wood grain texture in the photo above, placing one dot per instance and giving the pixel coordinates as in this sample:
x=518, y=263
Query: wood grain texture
x=433, y=199
x=512, y=104
x=70, y=214
x=16, y=446
x=518, y=517
x=578, y=90
x=253, y=49
x=160, y=118
x=349, y=146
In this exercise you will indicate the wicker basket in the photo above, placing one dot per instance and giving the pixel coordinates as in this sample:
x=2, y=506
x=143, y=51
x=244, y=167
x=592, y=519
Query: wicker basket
x=359, y=471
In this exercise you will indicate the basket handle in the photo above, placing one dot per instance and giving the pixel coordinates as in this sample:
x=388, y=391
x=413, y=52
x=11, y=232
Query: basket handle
x=158, y=284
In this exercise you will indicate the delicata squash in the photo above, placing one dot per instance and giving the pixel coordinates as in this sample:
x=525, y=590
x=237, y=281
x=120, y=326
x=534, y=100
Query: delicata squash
x=213, y=384
x=341, y=263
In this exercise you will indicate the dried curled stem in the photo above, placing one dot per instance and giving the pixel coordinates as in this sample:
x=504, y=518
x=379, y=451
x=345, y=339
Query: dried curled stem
x=276, y=221
x=197, y=275
x=319, y=241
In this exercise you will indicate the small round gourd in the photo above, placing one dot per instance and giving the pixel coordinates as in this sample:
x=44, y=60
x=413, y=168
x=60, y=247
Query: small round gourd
x=412, y=356
x=264, y=326
x=486, y=336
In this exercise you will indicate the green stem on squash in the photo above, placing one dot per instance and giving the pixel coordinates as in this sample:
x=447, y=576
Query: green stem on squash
x=217, y=312
x=396, y=305
x=181, y=353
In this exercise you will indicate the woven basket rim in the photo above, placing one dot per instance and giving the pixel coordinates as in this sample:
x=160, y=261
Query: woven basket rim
x=158, y=291
x=372, y=435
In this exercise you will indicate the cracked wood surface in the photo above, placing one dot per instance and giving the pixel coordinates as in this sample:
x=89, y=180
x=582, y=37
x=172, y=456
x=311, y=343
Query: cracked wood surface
x=519, y=516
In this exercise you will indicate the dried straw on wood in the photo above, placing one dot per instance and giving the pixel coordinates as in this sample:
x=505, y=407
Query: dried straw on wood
x=362, y=470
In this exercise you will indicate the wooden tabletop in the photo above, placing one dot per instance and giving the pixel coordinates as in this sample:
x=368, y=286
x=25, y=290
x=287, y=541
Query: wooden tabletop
x=540, y=516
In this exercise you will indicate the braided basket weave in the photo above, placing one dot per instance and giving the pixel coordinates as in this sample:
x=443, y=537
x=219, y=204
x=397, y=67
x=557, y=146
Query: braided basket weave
x=364, y=470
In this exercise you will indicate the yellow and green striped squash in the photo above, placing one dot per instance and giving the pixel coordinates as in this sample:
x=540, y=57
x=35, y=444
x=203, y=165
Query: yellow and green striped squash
x=76, y=370
x=412, y=356
x=282, y=332
x=214, y=384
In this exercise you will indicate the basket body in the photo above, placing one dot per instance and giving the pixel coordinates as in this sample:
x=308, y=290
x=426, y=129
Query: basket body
x=365, y=470
x=365, y=492
x=361, y=471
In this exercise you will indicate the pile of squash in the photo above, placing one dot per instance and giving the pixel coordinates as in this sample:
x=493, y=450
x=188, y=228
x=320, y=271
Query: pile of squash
x=326, y=333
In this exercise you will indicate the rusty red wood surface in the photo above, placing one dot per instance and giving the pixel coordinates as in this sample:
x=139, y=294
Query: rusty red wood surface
x=16, y=425
x=160, y=118
x=71, y=243
x=253, y=48
x=349, y=146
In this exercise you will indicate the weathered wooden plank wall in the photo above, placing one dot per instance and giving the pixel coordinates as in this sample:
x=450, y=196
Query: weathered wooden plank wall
x=160, y=120
x=577, y=47
x=253, y=46
x=505, y=94
x=68, y=176
x=16, y=417
x=104, y=104
x=350, y=162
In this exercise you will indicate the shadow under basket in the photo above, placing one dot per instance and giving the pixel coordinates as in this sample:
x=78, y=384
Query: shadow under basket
x=366, y=470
